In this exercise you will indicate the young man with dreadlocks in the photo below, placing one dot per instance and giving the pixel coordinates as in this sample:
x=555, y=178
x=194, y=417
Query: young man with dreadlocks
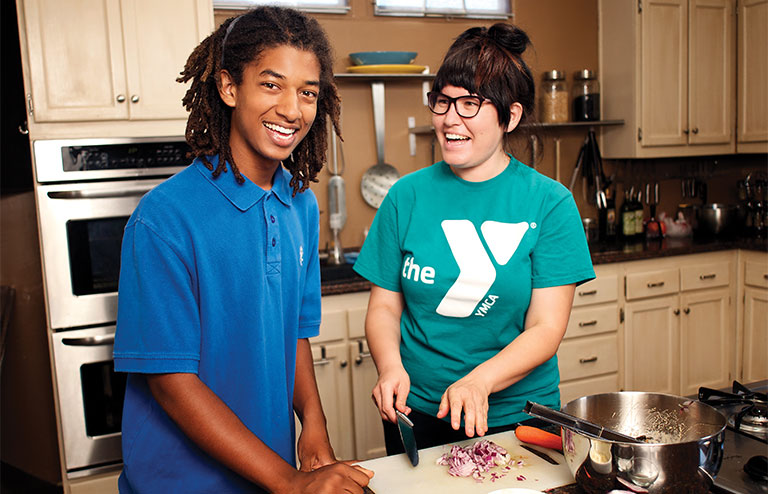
x=220, y=279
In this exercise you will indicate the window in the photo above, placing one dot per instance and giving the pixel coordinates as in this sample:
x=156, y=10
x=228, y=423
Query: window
x=460, y=8
x=324, y=6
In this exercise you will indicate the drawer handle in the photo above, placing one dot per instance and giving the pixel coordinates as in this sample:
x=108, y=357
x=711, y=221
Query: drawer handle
x=590, y=292
x=588, y=360
x=656, y=285
x=588, y=323
x=322, y=361
x=707, y=276
x=360, y=357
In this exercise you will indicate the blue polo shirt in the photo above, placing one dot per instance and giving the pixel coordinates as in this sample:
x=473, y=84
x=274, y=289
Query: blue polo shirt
x=220, y=280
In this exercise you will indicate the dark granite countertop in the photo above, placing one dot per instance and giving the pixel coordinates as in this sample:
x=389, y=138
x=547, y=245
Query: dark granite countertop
x=342, y=279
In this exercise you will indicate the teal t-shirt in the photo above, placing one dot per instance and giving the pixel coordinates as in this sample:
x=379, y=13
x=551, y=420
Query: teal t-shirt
x=465, y=256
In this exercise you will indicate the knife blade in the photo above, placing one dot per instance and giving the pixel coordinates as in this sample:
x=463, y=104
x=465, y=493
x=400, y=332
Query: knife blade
x=368, y=490
x=405, y=426
x=540, y=454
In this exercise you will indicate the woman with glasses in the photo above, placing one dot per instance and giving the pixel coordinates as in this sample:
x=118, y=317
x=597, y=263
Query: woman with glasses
x=473, y=260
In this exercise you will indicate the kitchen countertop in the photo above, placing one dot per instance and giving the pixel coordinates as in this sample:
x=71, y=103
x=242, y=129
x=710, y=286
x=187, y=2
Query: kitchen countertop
x=342, y=279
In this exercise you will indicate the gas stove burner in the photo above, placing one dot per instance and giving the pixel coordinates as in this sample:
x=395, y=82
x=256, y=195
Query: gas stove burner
x=752, y=419
x=740, y=395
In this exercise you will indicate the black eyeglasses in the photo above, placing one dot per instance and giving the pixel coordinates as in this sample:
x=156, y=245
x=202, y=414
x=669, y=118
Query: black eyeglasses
x=466, y=106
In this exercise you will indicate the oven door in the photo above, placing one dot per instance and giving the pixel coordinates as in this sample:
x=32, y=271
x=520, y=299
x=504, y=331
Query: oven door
x=81, y=227
x=90, y=398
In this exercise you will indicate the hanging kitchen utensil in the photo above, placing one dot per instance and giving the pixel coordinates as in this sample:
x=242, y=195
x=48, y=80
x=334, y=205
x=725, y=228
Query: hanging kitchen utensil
x=577, y=168
x=337, y=207
x=379, y=178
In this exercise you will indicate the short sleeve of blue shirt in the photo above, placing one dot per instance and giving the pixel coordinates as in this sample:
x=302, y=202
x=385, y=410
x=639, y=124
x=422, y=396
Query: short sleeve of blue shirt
x=156, y=285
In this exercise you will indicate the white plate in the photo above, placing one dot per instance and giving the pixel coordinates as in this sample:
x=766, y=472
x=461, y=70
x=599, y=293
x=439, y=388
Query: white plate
x=515, y=490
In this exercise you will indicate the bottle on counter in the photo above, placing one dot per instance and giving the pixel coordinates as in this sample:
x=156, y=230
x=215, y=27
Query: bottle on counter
x=607, y=218
x=639, y=216
x=586, y=96
x=554, y=97
x=627, y=217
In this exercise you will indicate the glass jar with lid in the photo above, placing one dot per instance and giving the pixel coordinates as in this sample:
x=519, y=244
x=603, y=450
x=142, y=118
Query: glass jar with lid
x=554, y=97
x=586, y=96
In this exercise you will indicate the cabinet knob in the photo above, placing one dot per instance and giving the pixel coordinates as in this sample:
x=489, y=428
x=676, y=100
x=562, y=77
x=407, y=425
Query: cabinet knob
x=120, y=98
x=695, y=130
x=343, y=364
x=686, y=131
x=676, y=312
x=135, y=98
x=687, y=310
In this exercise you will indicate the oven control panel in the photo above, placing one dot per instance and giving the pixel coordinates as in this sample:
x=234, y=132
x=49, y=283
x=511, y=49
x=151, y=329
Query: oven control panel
x=109, y=158
x=124, y=156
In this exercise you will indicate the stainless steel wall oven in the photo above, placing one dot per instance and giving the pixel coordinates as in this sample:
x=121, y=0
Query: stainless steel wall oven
x=86, y=189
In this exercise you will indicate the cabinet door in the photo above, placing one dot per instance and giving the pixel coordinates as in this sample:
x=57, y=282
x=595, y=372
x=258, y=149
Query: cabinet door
x=755, y=335
x=652, y=345
x=159, y=36
x=752, y=90
x=706, y=333
x=369, y=433
x=332, y=375
x=664, y=72
x=75, y=55
x=712, y=72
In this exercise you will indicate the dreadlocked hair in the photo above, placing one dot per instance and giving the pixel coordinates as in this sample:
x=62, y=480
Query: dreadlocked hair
x=236, y=43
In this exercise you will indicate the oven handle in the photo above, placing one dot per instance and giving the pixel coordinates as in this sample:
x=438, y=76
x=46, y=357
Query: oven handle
x=107, y=339
x=98, y=194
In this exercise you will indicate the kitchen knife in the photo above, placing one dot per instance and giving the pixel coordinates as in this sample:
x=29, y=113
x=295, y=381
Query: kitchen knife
x=405, y=426
x=540, y=454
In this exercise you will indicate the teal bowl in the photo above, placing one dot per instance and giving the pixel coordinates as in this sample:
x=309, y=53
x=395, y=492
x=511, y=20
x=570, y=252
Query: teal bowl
x=382, y=57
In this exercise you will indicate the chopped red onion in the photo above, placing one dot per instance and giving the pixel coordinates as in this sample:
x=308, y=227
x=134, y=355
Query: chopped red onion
x=475, y=459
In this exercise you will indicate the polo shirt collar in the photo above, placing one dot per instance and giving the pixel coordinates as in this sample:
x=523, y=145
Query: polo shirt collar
x=244, y=196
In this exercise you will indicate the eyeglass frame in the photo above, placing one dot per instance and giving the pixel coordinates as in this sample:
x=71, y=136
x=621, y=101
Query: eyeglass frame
x=453, y=101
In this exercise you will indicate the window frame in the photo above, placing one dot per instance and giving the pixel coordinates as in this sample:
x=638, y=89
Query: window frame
x=447, y=13
x=341, y=7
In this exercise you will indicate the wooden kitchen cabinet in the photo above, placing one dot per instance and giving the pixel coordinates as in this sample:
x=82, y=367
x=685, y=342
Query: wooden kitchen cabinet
x=652, y=345
x=98, y=60
x=752, y=85
x=668, y=69
x=345, y=378
x=588, y=357
x=753, y=270
x=680, y=323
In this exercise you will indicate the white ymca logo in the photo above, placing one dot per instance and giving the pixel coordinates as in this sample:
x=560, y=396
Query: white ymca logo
x=476, y=271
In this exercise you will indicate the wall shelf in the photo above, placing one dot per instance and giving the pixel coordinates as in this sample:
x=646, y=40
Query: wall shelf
x=382, y=77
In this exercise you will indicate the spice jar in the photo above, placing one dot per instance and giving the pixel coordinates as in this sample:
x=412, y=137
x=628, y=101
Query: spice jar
x=554, y=97
x=586, y=96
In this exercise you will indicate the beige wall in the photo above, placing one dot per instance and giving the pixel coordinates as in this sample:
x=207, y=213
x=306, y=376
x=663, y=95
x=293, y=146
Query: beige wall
x=564, y=36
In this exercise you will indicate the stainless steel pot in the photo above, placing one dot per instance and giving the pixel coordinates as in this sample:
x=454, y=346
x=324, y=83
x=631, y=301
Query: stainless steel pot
x=717, y=219
x=682, y=453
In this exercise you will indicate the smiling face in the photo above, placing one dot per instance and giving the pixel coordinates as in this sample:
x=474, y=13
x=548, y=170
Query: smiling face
x=273, y=109
x=472, y=146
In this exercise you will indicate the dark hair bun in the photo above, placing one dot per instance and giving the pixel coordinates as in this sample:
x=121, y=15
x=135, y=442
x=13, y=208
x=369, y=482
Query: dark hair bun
x=509, y=37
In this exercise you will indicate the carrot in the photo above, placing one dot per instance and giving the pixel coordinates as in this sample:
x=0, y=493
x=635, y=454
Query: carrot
x=538, y=437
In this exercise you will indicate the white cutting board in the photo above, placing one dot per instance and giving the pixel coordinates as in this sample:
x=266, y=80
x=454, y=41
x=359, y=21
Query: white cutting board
x=395, y=474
